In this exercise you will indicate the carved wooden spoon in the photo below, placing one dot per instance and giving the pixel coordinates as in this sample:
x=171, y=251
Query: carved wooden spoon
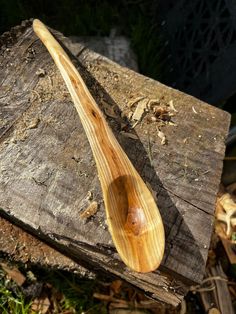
x=132, y=215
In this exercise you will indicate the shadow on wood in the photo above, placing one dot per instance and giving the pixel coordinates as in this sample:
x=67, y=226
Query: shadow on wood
x=48, y=176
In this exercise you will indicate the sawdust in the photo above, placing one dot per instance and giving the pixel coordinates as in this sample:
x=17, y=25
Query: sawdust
x=155, y=110
x=27, y=123
x=50, y=86
x=90, y=210
x=145, y=111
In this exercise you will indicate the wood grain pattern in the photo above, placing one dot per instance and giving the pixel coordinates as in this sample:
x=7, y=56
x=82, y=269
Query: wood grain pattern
x=132, y=214
x=48, y=171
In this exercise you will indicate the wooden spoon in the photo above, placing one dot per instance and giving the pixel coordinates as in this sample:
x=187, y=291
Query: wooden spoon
x=132, y=215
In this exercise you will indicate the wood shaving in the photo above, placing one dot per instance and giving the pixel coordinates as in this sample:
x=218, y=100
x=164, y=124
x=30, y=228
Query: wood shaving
x=129, y=115
x=40, y=72
x=134, y=125
x=162, y=136
x=226, y=212
x=152, y=102
x=171, y=104
x=132, y=102
x=90, y=210
x=161, y=113
x=140, y=109
x=194, y=110
x=89, y=196
x=172, y=123
x=153, y=119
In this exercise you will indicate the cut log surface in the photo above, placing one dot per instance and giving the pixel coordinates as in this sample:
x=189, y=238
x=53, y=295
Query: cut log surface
x=48, y=175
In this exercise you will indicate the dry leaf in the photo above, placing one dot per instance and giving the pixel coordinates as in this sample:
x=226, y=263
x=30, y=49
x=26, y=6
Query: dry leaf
x=14, y=274
x=90, y=210
x=40, y=305
x=116, y=286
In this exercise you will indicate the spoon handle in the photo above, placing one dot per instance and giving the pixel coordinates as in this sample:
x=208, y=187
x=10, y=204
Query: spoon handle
x=133, y=218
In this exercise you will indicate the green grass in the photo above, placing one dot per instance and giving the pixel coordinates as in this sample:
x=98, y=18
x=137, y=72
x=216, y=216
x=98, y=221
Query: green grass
x=11, y=298
x=66, y=292
x=78, y=293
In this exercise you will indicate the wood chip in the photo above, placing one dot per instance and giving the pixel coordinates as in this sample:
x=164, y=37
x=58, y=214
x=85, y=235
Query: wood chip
x=140, y=109
x=194, y=110
x=152, y=102
x=132, y=102
x=225, y=211
x=171, y=103
x=161, y=113
x=162, y=137
x=90, y=210
x=40, y=72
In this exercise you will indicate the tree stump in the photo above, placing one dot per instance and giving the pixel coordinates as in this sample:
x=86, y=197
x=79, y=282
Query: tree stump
x=48, y=176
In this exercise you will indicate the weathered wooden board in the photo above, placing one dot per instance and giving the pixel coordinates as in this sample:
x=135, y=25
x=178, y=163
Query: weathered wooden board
x=48, y=176
x=20, y=246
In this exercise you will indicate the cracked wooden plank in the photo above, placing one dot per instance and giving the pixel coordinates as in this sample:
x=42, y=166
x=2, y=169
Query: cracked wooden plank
x=47, y=172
